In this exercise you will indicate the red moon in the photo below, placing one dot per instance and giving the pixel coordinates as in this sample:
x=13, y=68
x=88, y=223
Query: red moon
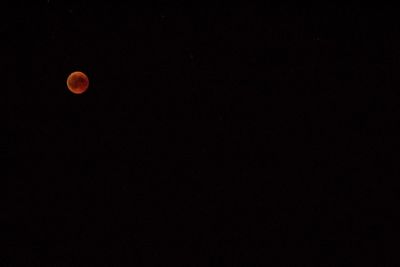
x=78, y=82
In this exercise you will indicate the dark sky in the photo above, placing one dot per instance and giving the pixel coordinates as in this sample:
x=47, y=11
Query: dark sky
x=209, y=136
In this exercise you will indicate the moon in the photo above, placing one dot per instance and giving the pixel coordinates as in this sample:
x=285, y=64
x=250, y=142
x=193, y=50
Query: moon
x=77, y=82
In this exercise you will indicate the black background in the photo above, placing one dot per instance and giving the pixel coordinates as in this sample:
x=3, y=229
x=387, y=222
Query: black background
x=209, y=136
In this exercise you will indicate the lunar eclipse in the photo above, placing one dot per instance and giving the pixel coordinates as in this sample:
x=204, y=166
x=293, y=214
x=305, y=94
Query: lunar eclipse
x=78, y=82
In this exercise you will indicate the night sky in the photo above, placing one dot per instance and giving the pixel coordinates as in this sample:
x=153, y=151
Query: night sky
x=209, y=136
